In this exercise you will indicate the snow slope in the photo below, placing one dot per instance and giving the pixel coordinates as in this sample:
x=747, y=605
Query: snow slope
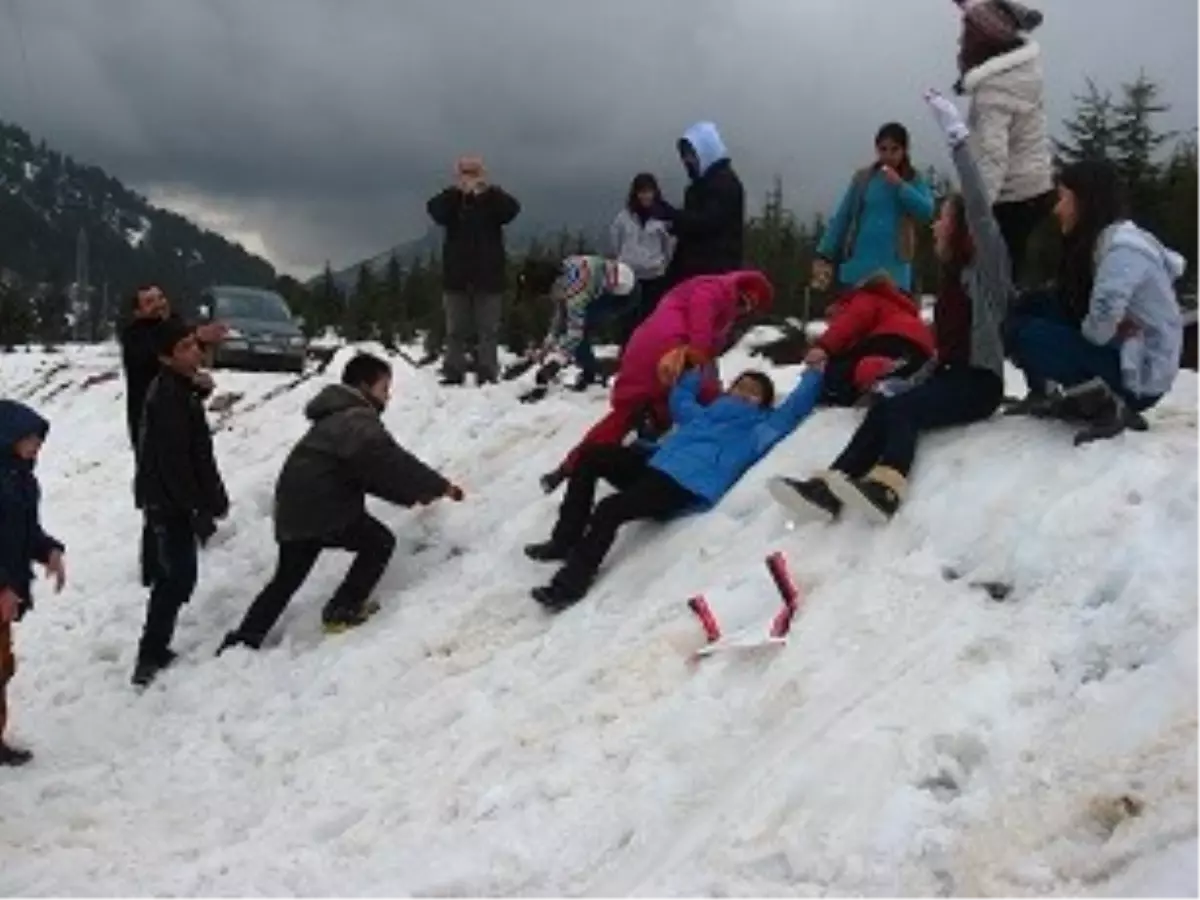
x=914, y=737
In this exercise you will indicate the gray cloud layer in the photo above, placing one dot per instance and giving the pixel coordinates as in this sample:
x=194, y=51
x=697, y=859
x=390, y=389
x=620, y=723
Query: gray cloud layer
x=323, y=126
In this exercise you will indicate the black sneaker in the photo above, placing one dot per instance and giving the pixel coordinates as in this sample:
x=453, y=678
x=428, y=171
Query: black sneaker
x=12, y=757
x=551, y=480
x=803, y=498
x=1031, y=404
x=232, y=640
x=548, y=551
x=870, y=496
x=452, y=380
x=557, y=596
x=144, y=672
x=336, y=621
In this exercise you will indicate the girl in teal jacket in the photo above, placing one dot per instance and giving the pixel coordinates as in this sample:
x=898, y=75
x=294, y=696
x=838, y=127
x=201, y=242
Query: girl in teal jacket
x=875, y=226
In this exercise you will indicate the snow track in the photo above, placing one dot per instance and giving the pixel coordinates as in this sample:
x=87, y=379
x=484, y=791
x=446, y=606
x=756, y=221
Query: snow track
x=915, y=736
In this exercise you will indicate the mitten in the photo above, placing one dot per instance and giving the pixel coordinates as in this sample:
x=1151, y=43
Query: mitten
x=948, y=117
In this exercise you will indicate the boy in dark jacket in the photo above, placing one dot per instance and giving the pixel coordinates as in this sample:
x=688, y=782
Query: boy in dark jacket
x=320, y=500
x=22, y=542
x=711, y=224
x=178, y=488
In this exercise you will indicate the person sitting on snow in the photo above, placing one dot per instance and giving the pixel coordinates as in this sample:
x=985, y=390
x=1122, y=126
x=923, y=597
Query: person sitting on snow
x=1111, y=334
x=973, y=298
x=320, y=500
x=585, y=290
x=693, y=467
x=874, y=333
x=690, y=326
x=22, y=542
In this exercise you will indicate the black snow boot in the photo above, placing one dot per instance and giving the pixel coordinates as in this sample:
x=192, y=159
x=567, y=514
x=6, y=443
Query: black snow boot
x=547, y=551
x=232, y=640
x=551, y=480
x=806, y=497
x=12, y=757
x=1032, y=404
x=452, y=380
x=559, y=595
x=336, y=621
x=877, y=496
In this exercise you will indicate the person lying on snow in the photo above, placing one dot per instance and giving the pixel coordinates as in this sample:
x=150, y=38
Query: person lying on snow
x=320, y=500
x=1111, y=335
x=22, y=542
x=692, y=469
x=968, y=383
x=874, y=334
x=690, y=326
x=585, y=291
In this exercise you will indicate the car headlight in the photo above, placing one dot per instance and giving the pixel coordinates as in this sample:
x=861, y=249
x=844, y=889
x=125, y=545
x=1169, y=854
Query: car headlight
x=234, y=334
x=296, y=341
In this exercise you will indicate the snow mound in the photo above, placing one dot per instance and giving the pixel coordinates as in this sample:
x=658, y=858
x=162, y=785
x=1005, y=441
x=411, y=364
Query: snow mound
x=915, y=736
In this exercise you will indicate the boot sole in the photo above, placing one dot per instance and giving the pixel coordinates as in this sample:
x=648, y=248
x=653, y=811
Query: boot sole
x=853, y=499
x=796, y=503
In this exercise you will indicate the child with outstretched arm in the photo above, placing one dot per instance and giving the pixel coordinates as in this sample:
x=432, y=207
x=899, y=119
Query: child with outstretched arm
x=694, y=466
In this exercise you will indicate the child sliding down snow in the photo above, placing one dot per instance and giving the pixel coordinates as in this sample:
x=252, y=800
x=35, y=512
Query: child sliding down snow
x=690, y=326
x=585, y=291
x=693, y=467
x=967, y=386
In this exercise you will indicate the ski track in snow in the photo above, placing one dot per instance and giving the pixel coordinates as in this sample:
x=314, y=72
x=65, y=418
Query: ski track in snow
x=913, y=737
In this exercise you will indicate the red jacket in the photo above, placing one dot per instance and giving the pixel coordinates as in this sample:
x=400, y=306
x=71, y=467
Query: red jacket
x=874, y=310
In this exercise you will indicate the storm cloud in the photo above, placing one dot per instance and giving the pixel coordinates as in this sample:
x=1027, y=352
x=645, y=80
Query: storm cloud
x=315, y=130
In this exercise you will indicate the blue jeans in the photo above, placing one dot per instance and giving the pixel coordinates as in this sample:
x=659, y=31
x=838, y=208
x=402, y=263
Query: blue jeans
x=603, y=308
x=1047, y=346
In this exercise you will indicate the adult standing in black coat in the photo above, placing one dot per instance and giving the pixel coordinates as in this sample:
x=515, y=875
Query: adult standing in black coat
x=320, y=497
x=710, y=226
x=178, y=487
x=139, y=359
x=474, y=214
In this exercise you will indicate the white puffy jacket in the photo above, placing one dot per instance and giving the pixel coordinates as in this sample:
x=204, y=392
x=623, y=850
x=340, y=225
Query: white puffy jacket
x=1008, y=125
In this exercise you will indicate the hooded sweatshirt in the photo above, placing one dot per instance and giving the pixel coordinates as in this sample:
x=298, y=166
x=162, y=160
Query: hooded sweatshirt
x=22, y=540
x=346, y=454
x=646, y=246
x=1135, y=276
x=710, y=226
x=582, y=280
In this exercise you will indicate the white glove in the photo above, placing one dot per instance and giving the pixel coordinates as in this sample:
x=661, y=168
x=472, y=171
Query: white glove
x=948, y=118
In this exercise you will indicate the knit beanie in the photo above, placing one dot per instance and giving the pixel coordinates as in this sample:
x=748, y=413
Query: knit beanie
x=168, y=334
x=999, y=21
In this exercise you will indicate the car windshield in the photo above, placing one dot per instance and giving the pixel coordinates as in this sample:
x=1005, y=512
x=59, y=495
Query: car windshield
x=257, y=305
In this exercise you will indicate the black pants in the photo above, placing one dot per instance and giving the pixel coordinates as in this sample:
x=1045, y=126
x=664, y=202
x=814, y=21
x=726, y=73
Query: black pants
x=176, y=566
x=148, y=556
x=372, y=545
x=888, y=435
x=1018, y=221
x=650, y=291
x=838, y=387
x=642, y=493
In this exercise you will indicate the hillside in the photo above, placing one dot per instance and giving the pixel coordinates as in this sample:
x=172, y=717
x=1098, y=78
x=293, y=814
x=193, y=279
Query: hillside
x=47, y=197
x=914, y=737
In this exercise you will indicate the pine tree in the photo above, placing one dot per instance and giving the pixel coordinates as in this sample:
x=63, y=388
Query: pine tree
x=16, y=319
x=1090, y=130
x=391, y=310
x=328, y=304
x=360, y=314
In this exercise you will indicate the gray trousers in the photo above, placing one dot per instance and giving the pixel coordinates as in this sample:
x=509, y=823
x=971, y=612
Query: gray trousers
x=467, y=316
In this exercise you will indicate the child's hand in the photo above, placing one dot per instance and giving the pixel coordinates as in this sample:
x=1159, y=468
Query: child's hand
x=816, y=358
x=455, y=493
x=892, y=176
x=9, y=604
x=56, y=568
x=948, y=117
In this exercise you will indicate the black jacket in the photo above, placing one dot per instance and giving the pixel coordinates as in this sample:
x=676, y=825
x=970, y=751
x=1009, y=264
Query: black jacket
x=139, y=357
x=177, y=472
x=346, y=454
x=22, y=540
x=473, y=257
x=710, y=225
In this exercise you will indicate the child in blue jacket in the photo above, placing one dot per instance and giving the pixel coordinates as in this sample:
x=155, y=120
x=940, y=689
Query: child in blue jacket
x=22, y=542
x=694, y=466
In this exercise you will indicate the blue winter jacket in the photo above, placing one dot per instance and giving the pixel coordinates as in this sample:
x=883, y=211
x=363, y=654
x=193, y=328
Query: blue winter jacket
x=884, y=237
x=713, y=446
x=22, y=540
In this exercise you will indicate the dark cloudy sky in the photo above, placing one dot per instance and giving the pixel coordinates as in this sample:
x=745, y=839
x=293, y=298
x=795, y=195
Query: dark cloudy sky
x=316, y=129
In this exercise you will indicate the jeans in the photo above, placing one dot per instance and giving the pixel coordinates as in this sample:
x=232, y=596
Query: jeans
x=600, y=310
x=372, y=545
x=642, y=493
x=888, y=435
x=176, y=567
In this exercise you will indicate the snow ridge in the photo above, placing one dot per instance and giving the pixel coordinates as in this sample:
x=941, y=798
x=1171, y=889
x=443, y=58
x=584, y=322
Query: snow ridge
x=915, y=736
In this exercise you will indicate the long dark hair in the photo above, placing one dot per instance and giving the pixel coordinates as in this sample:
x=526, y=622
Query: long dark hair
x=1100, y=201
x=898, y=134
x=643, y=181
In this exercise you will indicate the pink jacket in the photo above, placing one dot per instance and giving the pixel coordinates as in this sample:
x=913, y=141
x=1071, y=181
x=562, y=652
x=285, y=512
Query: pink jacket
x=697, y=313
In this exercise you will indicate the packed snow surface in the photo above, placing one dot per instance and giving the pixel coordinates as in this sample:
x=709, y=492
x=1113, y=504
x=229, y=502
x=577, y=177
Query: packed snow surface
x=914, y=736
